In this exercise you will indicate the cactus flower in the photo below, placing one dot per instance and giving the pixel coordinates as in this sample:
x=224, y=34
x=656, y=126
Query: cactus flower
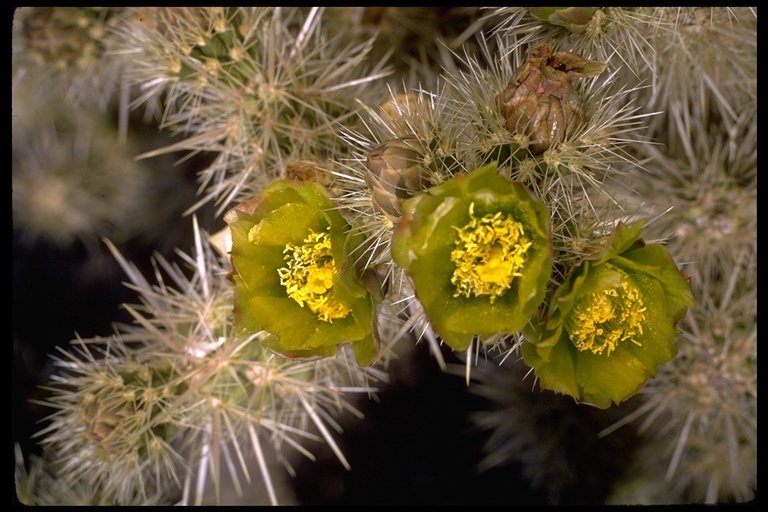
x=612, y=323
x=478, y=251
x=292, y=276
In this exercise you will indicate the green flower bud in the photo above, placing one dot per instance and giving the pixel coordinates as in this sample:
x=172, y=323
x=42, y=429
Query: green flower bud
x=478, y=251
x=292, y=275
x=575, y=19
x=612, y=323
x=394, y=174
x=542, y=103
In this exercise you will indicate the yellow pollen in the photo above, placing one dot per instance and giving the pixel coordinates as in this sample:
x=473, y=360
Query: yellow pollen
x=308, y=278
x=601, y=320
x=489, y=253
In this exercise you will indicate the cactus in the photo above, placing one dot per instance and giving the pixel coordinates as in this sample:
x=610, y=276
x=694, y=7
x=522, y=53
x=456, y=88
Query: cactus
x=560, y=203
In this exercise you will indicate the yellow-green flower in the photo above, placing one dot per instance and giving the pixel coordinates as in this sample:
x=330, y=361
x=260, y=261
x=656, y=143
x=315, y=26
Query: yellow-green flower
x=292, y=275
x=612, y=323
x=478, y=251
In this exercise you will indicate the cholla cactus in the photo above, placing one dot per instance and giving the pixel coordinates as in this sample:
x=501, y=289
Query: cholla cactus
x=698, y=194
x=515, y=183
x=67, y=51
x=418, y=41
x=173, y=401
x=701, y=410
x=262, y=88
x=73, y=179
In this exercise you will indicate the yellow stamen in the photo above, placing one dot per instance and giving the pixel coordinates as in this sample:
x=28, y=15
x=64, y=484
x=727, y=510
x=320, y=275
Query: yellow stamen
x=308, y=278
x=601, y=320
x=489, y=253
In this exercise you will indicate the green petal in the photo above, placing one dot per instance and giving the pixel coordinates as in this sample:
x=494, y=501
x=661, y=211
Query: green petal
x=283, y=191
x=657, y=343
x=426, y=226
x=605, y=378
x=366, y=350
x=259, y=265
x=564, y=297
x=556, y=370
x=656, y=261
x=623, y=237
x=272, y=343
x=459, y=341
x=333, y=333
x=280, y=316
x=288, y=224
x=354, y=280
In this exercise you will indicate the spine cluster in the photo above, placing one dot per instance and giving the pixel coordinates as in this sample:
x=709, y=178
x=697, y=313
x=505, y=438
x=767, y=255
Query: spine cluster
x=567, y=190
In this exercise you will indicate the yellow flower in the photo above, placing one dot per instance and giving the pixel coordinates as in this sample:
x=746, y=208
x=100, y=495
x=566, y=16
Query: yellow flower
x=602, y=319
x=292, y=275
x=612, y=323
x=477, y=249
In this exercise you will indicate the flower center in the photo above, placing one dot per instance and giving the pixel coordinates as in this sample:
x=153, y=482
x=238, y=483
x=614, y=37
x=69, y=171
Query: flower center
x=489, y=253
x=308, y=278
x=600, y=320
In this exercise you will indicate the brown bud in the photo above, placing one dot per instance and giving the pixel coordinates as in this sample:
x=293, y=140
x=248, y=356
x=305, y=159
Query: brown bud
x=394, y=174
x=542, y=102
x=307, y=171
x=105, y=419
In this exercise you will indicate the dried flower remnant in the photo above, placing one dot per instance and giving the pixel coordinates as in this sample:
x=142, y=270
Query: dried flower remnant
x=394, y=174
x=542, y=103
x=104, y=417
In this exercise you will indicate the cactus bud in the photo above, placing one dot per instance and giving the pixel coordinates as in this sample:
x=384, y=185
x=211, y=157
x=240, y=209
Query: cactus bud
x=542, y=102
x=106, y=418
x=394, y=173
x=575, y=19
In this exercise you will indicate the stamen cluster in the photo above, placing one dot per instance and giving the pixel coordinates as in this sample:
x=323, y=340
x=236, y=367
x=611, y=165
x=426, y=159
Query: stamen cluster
x=603, y=319
x=489, y=253
x=308, y=278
